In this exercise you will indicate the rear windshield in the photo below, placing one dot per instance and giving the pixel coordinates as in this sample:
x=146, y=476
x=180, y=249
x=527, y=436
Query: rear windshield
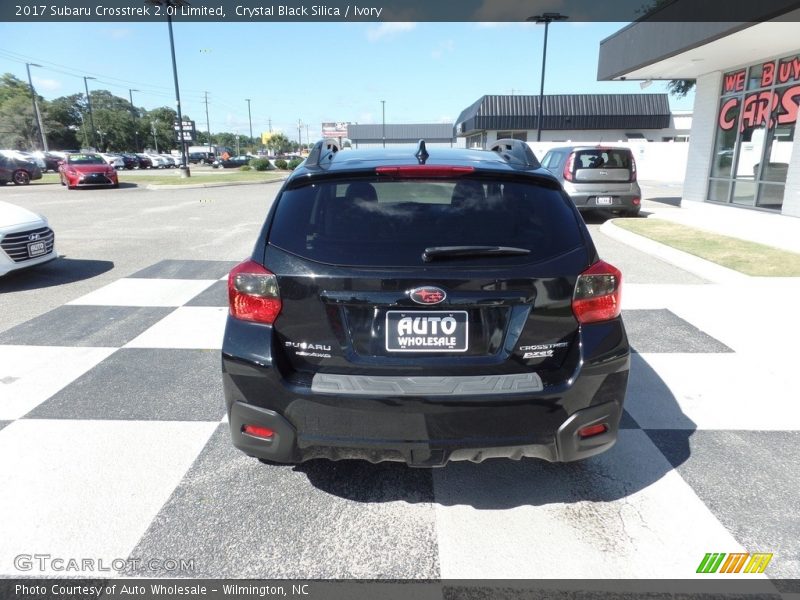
x=391, y=223
x=602, y=158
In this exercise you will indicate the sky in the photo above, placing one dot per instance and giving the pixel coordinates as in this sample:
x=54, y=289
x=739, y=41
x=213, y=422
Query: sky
x=312, y=72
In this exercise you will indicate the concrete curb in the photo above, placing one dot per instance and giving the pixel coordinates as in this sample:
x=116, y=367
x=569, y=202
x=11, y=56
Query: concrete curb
x=683, y=260
x=213, y=184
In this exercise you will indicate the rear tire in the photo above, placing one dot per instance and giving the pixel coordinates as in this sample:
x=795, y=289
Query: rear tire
x=21, y=177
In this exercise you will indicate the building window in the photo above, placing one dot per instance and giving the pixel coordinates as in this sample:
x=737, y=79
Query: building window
x=514, y=135
x=755, y=133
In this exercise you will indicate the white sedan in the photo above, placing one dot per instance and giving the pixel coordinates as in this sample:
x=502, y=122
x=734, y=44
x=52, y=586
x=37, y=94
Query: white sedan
x=159, y=162
x=115, y=160
x=25, y=239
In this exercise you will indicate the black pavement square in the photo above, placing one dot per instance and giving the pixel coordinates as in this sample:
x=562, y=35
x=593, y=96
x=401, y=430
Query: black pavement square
x=660, y=330
x=99, y=326
x=742, y=476
x=143, y=384
x=215, y=295
x=186, y=269
x=627, y=421
x=238, y=517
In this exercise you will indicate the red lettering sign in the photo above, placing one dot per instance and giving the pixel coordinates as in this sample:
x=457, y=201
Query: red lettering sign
x=789, y=70
x=767, y=74
x=734, y=81
x=726, y=121
x=789, y=102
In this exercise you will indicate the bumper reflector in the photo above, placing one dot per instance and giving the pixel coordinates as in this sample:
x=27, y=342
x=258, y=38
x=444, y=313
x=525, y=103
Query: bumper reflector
x=257, y=431
x=592, y=430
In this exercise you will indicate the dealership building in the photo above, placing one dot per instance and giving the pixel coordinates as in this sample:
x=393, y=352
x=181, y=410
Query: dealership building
x=743, y=149
x=572, y=118
x=398, y=134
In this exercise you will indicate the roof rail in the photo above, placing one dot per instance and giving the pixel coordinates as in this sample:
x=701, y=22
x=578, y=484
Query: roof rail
x=516, y=151
x=322, y=153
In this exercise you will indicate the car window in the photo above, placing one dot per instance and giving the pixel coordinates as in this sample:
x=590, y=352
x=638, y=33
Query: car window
x=85, y=159
x=601, y=157
x=391, y=223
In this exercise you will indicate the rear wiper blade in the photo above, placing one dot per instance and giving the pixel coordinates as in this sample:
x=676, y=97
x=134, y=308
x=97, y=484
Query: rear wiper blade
x=440, y=252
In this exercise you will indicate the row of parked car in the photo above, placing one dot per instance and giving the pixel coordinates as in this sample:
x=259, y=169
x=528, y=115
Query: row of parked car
x=20, y=168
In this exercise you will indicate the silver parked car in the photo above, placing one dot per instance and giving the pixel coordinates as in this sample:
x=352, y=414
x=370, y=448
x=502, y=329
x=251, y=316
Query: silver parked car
x=597, y=177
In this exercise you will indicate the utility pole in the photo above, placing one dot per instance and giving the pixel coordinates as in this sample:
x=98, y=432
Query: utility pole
x=270, y=124
x=208, y=125
x=383, y=121
x=308, y=137
x=36, y=106
x=299, y=136
x=250, y=118
x=155, y=139
x=135, y=120
x=89, y=104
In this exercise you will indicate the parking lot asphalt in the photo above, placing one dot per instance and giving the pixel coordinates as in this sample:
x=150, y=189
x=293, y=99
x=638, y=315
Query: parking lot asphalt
x=114, y=443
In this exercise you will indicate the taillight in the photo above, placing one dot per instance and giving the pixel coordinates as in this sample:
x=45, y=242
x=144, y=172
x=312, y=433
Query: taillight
x=598, y=293
x=424, y=171
x=633, y=168
x=253, y=293
x=257, y=431
x=568, y=166
x=592, y=430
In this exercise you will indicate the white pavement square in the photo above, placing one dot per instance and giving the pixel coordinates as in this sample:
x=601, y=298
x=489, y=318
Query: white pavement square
x=622, y=515
x=29, y=375
x=88, y=489
x=186, y=327
x=712, y=392
x=145, y=292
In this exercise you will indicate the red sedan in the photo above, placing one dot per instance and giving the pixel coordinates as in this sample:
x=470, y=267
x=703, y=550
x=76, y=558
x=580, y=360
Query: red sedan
x=80, y=170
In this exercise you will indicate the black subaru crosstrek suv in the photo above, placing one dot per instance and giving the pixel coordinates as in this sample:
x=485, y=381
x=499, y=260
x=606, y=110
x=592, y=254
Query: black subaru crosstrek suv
x=424, y=307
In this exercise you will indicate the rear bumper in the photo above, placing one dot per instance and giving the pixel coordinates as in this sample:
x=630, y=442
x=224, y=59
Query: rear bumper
x=423, y=429
x=287, y=446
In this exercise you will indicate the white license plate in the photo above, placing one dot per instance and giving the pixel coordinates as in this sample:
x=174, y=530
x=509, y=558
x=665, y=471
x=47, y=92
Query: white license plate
x=36, y=249
x=604, y=200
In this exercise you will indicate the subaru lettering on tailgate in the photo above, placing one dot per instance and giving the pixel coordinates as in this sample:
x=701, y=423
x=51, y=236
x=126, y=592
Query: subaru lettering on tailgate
x=426, y=331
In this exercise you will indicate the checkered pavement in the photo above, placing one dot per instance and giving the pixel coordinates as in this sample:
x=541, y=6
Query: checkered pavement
x=113, y=444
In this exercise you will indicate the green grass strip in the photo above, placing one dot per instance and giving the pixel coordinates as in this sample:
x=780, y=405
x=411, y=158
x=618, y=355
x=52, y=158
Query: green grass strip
x=750, y=258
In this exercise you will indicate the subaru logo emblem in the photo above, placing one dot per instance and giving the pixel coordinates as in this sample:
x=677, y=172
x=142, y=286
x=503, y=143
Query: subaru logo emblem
x=33, y=237
x=427, y=295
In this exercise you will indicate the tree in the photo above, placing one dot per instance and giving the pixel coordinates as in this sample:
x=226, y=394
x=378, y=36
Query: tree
x=63, y=122
x=156, y=129
x=680, y=87
x=279, y=144
x=18, y=126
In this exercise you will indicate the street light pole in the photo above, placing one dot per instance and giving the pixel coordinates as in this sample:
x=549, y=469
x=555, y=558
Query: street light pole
x=208, y=126
x=170, y=6
x=545, y=18
x=36, y=106
x=89, y=104
x=383, y=122
x=135, y=119
x=250, y=119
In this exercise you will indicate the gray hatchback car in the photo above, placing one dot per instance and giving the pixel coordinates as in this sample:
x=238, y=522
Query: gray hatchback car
x=597, y=177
